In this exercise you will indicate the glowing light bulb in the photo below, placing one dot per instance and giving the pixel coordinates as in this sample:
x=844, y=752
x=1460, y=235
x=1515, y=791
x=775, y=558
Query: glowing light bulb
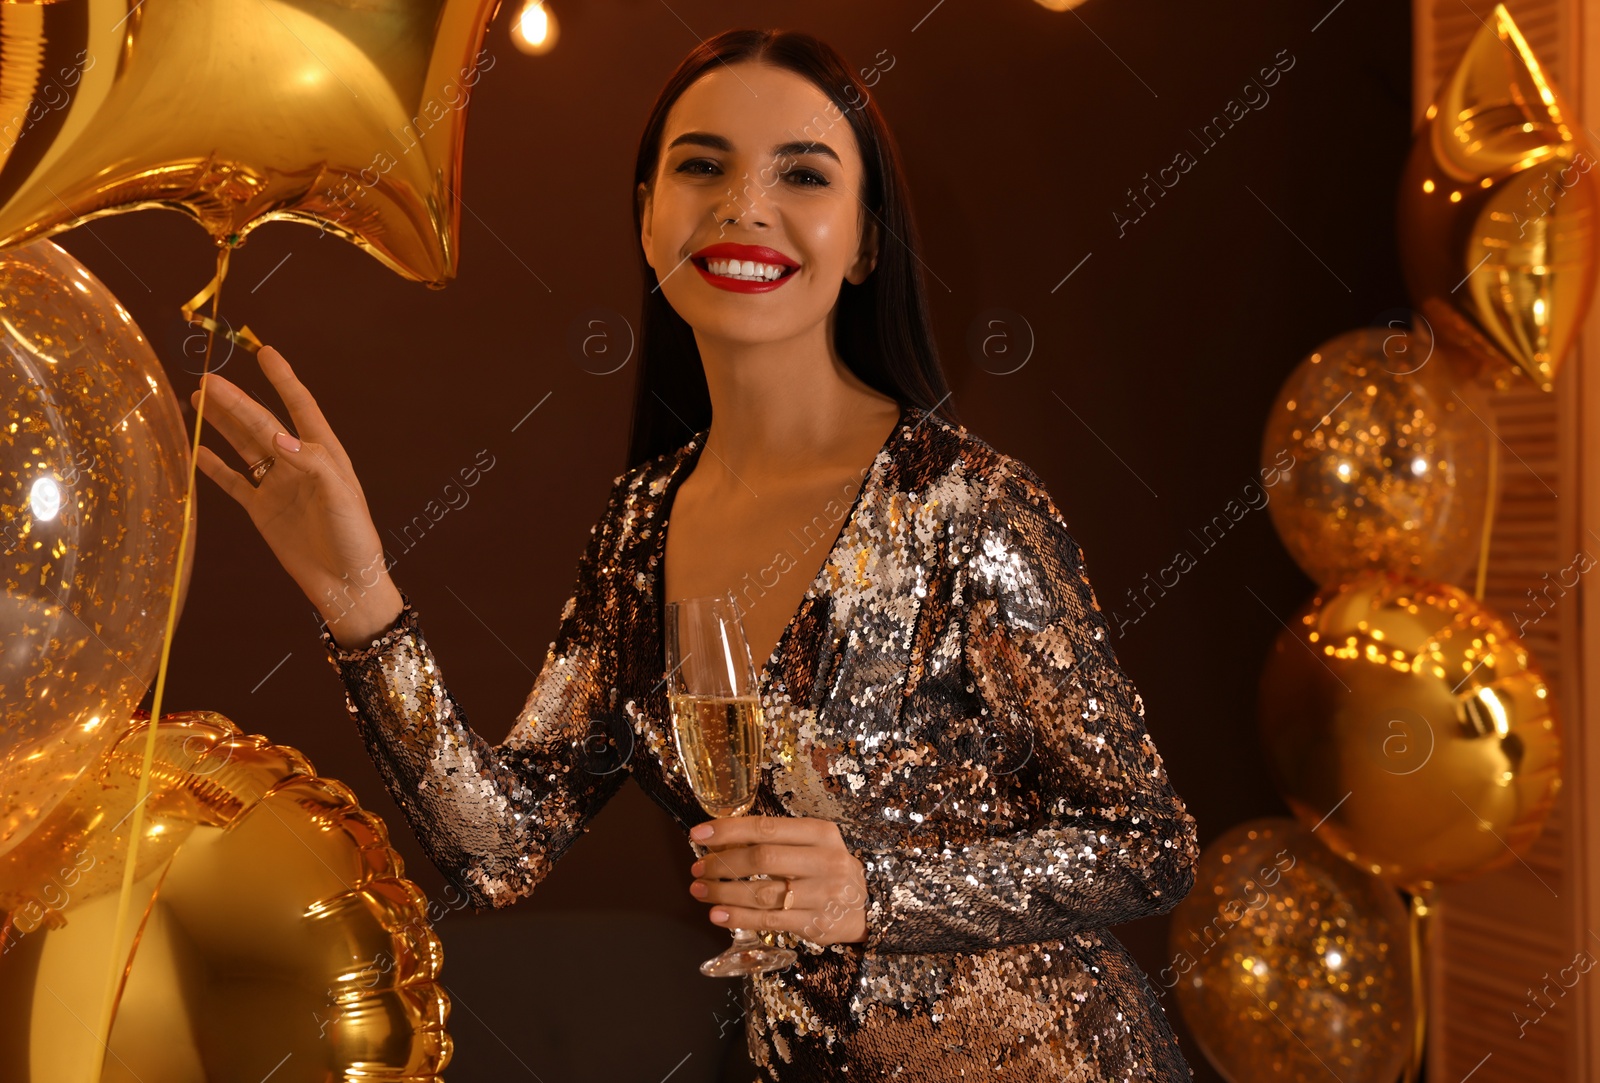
x=534, y=31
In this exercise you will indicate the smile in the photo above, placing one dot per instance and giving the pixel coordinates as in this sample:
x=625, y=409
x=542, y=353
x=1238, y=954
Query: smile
x=743, y=276
x=744, y=268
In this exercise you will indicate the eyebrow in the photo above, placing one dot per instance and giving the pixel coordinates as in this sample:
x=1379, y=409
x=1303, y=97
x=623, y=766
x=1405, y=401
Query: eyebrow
x=782, y=150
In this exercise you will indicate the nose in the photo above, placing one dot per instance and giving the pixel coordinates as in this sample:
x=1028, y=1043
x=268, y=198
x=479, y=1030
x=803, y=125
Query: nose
x=742, y=202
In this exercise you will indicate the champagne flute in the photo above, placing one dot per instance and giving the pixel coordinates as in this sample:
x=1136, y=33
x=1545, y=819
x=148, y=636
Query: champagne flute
x=719, y=728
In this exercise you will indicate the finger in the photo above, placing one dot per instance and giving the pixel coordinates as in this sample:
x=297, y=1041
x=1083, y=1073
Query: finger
x=804, y=922
x=765, y=859
x=308, y=458
x=759, y=894
x=231, y=481
x=745, y=830
x=245, y=423
x=303, y=408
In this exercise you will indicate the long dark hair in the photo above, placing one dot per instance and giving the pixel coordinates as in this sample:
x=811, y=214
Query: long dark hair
x=881, y=327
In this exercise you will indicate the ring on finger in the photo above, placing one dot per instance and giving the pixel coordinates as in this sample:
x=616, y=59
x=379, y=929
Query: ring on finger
x=766, y=894
x=258, y=469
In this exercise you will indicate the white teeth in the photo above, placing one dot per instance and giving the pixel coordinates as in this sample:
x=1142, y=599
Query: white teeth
x=745, y=270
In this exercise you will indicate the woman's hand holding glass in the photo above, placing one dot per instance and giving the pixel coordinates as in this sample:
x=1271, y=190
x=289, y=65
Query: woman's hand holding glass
x=803, y=856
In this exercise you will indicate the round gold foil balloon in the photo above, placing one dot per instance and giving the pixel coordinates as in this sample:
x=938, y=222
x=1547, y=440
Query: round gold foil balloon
x=93, y=459
x=1376, y=460
x=274, y=932
x=1412, y=724
x=349, y=117
x=1291, y=964
x=1496, y=215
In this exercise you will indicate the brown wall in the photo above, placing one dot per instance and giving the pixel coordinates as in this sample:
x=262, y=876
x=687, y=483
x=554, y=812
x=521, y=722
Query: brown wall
x=1142, y=407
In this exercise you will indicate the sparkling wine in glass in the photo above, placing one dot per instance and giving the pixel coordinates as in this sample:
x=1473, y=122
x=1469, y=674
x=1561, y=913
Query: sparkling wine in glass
x=719, y=728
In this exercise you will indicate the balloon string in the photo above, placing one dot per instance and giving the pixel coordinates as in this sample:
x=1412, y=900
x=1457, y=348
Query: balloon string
x=119, y=966
x=1490, y=499
x=1419, y=918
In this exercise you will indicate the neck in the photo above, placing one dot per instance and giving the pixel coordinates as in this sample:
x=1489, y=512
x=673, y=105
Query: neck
x=777, y=405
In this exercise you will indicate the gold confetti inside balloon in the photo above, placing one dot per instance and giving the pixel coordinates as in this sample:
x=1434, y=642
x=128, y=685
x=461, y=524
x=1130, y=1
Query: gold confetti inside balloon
x=1378, y=460
x=1496, y=213
x=1414, y=726
x=1290, y=964
x=274, y=932
x=349, y=117
x=93, y=457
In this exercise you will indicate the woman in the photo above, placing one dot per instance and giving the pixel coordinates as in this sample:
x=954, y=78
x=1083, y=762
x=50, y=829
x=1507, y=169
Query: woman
x=961, y=793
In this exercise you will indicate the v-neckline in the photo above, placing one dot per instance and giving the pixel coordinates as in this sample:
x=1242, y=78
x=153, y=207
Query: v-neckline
x=690, y=455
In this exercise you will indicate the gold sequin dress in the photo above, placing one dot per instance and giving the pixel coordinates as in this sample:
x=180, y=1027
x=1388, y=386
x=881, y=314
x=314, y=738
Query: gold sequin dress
x=946, y=692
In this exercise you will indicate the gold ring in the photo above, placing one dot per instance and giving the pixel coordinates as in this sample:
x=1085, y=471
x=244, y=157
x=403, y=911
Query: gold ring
x=788, y=894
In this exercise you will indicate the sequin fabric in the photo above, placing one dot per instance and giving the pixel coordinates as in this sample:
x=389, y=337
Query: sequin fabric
x=946, y=692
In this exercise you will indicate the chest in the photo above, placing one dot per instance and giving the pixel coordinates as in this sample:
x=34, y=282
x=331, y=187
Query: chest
x=766, y=548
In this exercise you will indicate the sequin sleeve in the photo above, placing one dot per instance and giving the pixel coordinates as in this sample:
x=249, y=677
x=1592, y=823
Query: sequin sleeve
x=1105, y=838
x=494, y=818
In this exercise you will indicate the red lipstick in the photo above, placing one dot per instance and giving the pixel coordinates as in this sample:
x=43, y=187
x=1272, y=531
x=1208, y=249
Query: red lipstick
x=752, y=252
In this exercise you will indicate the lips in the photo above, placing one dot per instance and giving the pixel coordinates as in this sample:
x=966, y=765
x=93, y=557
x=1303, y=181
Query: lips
x=754, y=253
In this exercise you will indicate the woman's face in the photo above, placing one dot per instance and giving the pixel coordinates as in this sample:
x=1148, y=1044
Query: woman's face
x=745, y=161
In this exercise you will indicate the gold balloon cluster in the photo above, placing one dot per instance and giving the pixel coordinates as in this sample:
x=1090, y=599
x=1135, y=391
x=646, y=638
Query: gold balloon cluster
x=1403, y=720
x=264, y=927
x=347, y=117
x=277, y=935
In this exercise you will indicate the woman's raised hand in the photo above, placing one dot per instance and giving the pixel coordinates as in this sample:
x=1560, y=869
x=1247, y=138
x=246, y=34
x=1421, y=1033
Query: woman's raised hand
x=309, y=507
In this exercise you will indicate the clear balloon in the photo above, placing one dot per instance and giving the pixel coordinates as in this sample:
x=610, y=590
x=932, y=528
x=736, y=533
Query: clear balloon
x=93, y=464
x=1413, y=725
x=1290, y=964
x=1379, y=460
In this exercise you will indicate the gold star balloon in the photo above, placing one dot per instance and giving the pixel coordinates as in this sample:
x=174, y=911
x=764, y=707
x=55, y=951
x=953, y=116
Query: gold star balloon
x=1496, y=219
x=348, y=116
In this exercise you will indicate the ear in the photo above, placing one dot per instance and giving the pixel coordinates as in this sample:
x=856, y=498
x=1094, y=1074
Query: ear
x=642, y=194
x=867, y=258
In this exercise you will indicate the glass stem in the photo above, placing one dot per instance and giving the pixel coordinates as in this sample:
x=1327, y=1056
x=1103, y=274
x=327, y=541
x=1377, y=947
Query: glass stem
x=744, y=940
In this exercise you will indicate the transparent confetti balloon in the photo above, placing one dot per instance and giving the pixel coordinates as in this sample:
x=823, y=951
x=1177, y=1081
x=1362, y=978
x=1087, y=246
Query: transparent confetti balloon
x=1378, y=459
x=1290, y=964
x=93, y=460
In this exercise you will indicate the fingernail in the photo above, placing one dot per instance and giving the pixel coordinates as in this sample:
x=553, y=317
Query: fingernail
x=719, y=916
x=286, y=442
x=701, y=831
x=697, y=889
x=698, y=869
